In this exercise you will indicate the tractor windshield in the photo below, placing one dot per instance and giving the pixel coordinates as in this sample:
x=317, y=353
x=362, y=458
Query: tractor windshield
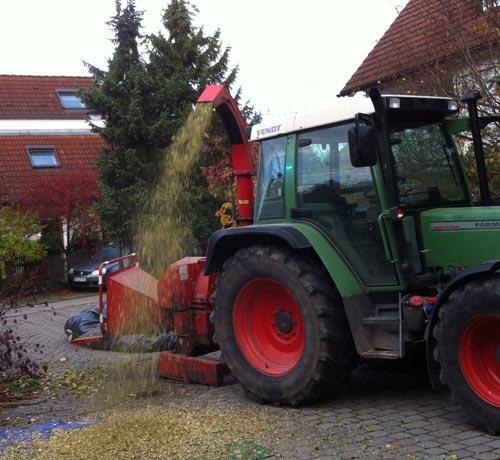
x=427, y=167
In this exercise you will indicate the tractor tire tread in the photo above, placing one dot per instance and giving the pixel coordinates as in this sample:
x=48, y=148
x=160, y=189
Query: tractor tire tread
x=337, y=354
x=479, y=414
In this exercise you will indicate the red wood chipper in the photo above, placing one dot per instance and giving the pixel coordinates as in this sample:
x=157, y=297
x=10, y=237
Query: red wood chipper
x=180, y=301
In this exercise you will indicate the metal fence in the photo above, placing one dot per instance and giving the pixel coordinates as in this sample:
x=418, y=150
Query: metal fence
x=21, y=278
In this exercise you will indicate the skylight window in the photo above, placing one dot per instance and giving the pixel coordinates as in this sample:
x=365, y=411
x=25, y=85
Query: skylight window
x=43, y=157
x=490, y=4
x=70, y=100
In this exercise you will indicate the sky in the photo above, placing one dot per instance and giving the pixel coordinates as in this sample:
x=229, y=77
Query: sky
x=293, y=55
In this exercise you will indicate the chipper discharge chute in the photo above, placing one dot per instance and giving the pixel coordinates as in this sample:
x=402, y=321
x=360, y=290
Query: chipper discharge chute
x=180, y=303
x=364, y=243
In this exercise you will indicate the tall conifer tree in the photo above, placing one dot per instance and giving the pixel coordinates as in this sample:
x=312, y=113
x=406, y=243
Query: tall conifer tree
x=145, y=100
x=121, y=95
x=182, y=60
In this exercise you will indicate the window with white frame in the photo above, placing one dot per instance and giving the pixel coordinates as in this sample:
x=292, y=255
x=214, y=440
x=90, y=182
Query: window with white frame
x=43, y=157
x=70, y=99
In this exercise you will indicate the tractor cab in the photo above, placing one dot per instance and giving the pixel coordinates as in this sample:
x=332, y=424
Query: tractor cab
x=428, y=204
x=354, y=178
x=386, y=187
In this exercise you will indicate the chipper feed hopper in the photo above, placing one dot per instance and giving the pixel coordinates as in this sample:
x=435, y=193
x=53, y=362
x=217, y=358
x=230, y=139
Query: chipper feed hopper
x=365, y=242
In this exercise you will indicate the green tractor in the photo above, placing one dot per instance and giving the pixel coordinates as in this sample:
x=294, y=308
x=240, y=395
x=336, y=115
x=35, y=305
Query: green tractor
x=366, y=242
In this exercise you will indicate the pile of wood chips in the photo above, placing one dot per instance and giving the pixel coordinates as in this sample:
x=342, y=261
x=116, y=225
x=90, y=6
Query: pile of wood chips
x=176, y=433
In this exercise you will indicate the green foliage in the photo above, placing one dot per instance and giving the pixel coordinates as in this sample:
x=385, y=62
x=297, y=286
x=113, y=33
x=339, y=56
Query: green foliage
x=182, y=62
x=121, y=95
x=16, y=228
x=51, y=239
x=145, y=99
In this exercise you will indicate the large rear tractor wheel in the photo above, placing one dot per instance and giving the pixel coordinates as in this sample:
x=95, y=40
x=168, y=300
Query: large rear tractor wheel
x=468, y=349
x=281, y=326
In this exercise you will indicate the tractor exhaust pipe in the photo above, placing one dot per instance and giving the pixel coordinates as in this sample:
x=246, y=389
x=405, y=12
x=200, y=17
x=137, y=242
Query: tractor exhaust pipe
x=475, y=127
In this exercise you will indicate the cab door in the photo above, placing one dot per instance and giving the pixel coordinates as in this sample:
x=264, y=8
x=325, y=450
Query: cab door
x=342, y=201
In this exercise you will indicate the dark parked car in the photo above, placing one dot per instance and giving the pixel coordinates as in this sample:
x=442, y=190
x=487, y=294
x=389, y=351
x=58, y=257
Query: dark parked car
x=87, y=274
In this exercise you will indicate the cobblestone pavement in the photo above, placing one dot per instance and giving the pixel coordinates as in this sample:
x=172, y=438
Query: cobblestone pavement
x=378, y=414
x=44, y=325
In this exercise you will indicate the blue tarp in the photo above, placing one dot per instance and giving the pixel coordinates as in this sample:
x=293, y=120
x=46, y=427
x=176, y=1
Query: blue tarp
x=11, y=436
x=84, y=322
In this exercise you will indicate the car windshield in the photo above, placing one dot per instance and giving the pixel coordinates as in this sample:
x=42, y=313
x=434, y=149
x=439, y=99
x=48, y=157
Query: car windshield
x=110, y=252
x=427, y=167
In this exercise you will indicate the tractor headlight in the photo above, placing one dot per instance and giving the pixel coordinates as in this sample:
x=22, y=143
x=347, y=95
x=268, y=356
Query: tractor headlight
x=394, y=103
x=452, y=106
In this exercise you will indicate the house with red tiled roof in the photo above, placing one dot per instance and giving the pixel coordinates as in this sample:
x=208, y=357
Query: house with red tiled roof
x=44, y=133
x=48, y=158
x=428, y=44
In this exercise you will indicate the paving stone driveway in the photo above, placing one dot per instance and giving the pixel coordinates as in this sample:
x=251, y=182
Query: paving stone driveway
x=378, y=414
x=44, y=325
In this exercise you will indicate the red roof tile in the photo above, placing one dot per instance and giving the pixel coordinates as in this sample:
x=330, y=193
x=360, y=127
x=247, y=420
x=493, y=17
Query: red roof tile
x=76, y=154
x=424, y=32
x=35, y=97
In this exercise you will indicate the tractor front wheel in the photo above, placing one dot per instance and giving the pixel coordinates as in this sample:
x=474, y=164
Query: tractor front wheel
x=281, y=326
x=468, y=341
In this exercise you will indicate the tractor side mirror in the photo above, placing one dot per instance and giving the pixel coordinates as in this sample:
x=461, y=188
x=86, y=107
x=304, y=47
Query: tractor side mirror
x=362, y=144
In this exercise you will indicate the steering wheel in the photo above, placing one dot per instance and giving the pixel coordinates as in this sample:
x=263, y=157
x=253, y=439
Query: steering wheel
x=370, y=194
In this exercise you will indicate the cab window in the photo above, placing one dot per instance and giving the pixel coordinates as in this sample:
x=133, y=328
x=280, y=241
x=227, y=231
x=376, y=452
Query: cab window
x=341, y=199
x=427, y=167
x=271, y=193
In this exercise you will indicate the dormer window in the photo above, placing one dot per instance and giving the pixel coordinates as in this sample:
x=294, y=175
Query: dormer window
x=70, y=100
x=43, y=157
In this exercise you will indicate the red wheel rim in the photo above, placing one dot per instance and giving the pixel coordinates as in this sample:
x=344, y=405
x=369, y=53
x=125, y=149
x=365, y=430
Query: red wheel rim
x=480, y=357
x=268, y=326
